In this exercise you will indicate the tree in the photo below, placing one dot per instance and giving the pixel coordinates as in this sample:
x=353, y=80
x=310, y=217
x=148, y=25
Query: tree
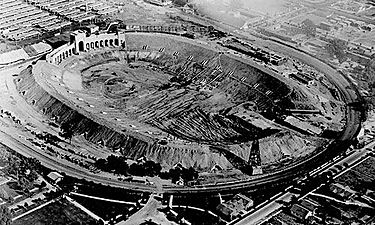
x=101, y=164
x=33, y=175
x=5, y=215
x=293, y=200
x=151, y=168
x=175, y=174
x=136, y=170
x=43, y=184
x=67, y=131
x=13, y=166
x=24, y=184
x=189, y=174
x=32, y=164
x=180, y=3
x=309, y=28
x=337, y=48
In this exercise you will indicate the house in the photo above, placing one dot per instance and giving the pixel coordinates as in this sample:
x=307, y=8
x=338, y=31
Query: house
x=234, y=207
x=344, y=191
x=300, y=212
x=275, y=221
x=55, y=177
x=309, y=204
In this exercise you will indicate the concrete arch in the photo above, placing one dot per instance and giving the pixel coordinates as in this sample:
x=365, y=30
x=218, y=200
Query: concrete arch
x=81, y=46
x=84, y=44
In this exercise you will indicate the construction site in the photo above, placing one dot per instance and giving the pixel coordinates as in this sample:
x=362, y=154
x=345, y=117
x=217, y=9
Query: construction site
x=175, y=101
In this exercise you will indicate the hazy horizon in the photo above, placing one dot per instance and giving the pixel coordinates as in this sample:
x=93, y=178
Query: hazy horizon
x=237, y=12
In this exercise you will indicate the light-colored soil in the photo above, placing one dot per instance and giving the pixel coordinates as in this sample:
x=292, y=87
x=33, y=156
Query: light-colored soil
x=149, y=213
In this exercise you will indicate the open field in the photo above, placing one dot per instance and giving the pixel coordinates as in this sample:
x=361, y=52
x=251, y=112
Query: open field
x=7, y=192
x=103, y=209
x=56, y=213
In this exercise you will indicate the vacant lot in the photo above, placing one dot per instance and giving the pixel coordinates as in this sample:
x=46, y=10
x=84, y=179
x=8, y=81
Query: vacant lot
x=366, y=169
x=105, y=210
x=56, y=213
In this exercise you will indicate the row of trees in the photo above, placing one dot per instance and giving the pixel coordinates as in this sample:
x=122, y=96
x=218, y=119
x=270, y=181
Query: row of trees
x=118, y=165
x=177, y=173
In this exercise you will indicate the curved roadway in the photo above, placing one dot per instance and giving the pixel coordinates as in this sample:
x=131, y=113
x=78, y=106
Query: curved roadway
x=348, y=93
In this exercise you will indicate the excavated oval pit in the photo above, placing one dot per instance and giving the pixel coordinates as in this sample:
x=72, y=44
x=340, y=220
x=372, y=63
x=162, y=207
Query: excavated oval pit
x=174, y=102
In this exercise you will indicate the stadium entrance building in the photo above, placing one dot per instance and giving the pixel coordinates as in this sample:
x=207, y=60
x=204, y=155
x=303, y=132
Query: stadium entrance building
x=80, y=42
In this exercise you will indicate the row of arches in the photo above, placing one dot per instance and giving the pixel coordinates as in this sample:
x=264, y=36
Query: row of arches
x=98, y=44
x=85, y=46
x=63, y=55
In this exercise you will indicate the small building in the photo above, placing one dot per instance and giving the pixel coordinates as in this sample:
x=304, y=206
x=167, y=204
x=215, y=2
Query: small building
x=309, y=204
x=300, y=212
x=55, y=177
x=325, y=26
x=275, y=221
x=344, y=191
x=234, y=207
x=92, y=28
x=257, y=170
x=58, y=41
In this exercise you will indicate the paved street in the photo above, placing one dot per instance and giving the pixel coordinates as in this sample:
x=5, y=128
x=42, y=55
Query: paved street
x=266, y=211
